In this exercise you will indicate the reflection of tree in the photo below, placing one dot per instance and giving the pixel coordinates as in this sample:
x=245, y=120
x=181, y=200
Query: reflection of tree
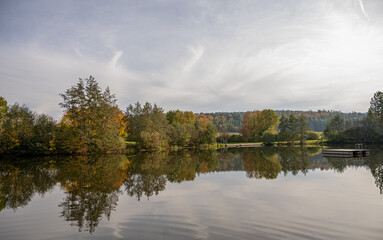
x=84, y=208
x=20, y=180
x=141, y=184
x=146, y=175
x=378, y=175
x=149, y=171
x=185, y=166
x=376, y=166
x=92, y=187
x=339, y=164
x=260, y=164
x=294, y=160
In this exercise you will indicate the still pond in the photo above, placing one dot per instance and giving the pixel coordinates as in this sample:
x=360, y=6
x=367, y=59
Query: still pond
x=254, y=193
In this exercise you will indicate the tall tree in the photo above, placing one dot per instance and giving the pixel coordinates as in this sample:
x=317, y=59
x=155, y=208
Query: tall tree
x=283, y=128
x=182, y=128
x=293, y=128
x=303, y=128
x=334, y=128
x=92, y=119
x=147, y=125
x=376, y=107
x=17, y=128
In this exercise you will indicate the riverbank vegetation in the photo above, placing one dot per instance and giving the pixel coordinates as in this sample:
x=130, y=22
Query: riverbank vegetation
x=92, y=122
x=366, y=130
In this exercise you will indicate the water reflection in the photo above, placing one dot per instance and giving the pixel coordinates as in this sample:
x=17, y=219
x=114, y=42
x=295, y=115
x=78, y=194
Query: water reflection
x=375, y=164
x=261, y=164
x=92, y=185
x=20, y=181
x=149, y=172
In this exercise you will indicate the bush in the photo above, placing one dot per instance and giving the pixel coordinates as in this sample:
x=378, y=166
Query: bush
x=236, y=138
x=312, y=136
x=268, y=138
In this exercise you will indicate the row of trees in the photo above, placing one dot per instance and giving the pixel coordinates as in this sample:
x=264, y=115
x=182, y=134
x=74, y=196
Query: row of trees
x=150, y=127
x=93, y=123
x=267, y=127
x=368, y=129
x=232, y=122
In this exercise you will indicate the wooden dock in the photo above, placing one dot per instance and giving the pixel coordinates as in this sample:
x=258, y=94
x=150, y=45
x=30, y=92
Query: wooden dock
x=346, y=152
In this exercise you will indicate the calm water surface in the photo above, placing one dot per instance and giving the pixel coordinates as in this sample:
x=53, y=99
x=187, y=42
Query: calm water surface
x=261, y=193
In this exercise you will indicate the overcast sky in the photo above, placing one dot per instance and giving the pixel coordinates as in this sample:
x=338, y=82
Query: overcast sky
x=201, y=56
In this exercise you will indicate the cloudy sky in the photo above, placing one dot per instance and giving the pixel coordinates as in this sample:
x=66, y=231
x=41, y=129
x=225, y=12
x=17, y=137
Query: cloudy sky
x=195, y=55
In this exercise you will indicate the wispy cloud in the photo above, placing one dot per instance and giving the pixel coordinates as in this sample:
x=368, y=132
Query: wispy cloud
x=199, y=56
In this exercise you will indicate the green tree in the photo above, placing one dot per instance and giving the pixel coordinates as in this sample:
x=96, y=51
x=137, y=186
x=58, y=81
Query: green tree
x=293, y=128
x=303, y=128
x=334, y=128
x=44, y=130
x=147, y=125
x=209, y=135
x=92, y=120
x=268, y=138
x=376, y=107
x=283, y=128
x=16, y=133
x=182, y=127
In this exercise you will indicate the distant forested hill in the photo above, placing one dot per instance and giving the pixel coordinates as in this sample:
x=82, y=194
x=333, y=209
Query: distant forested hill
x=232, y=121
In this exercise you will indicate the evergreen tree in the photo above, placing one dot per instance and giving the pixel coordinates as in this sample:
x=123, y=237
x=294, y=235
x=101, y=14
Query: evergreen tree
x=303, y=128
x=283, y=128
x=376, y=107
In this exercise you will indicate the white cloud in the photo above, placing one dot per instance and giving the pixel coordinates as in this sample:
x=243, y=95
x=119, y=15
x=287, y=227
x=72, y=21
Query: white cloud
x=200, y=56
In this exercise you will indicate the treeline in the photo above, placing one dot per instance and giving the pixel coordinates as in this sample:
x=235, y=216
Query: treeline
x=317, y=120
x=93, y=123
x=369, y=129
x=266, y=126
x=150, y=127
x=225, y=121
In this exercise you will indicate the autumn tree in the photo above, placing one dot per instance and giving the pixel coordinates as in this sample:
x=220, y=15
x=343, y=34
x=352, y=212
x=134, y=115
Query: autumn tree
x=92, y=121
x=257, y=122
x=180, y=117
x=182, y=127
x=207, y=131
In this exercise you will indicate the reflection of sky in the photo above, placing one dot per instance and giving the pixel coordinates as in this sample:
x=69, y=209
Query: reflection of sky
x=225, y=205
x=229, y=205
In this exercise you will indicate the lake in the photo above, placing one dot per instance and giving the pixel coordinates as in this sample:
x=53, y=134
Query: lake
x=254, y=193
